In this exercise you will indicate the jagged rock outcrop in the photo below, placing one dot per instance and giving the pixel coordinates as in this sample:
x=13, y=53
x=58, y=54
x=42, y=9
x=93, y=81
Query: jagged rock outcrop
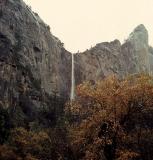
x=151, y=60
x=139, y=40
x=113, y=58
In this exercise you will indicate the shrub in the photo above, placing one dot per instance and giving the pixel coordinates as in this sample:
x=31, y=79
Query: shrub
x=47, y=144
x=4, y=125
x=6, y=153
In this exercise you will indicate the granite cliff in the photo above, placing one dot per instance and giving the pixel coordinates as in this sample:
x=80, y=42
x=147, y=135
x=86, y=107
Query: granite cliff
x=133, y=56
x=35, y=65
x=26, y=42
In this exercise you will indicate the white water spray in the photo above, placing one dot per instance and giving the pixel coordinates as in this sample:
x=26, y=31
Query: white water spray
x=72, y=80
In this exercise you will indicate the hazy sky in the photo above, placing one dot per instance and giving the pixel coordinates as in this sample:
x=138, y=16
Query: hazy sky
x=81, y=24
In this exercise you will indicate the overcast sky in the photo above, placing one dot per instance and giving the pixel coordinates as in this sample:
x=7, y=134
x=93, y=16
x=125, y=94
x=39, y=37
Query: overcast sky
x=80, y=24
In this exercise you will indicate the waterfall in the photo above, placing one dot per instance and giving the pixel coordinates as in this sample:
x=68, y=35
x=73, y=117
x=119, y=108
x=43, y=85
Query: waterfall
x=72, y=80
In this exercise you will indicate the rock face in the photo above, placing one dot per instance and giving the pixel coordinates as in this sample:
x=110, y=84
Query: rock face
x=139, y=41
x=34, y=64
x=113, y=58
x=26, y=42
x=151, y=60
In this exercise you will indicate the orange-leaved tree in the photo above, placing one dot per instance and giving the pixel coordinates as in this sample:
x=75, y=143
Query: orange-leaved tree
x=112, y=119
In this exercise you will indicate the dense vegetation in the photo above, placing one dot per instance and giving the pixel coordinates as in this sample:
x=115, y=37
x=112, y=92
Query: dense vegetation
x=109, y=120
x=114, y=119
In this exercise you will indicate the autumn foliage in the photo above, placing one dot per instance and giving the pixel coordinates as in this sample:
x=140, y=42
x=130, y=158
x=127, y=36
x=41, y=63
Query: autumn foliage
x=112, y=119
x=34, y=145
x=109, y=120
